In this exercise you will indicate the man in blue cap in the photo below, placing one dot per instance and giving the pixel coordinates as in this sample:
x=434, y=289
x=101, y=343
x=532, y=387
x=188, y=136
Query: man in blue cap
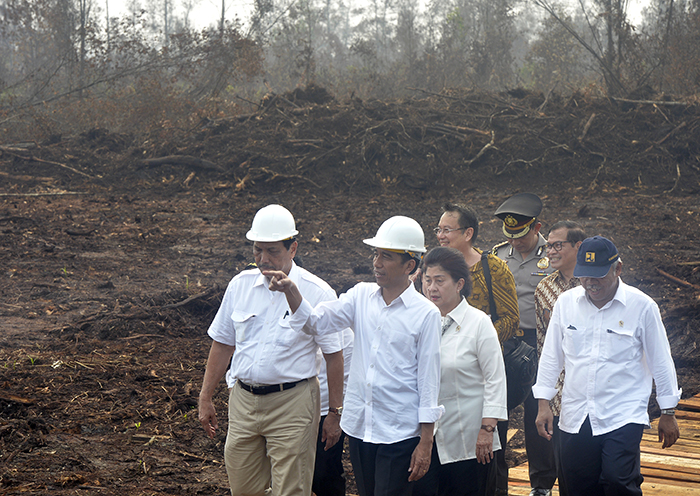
x=610, y=338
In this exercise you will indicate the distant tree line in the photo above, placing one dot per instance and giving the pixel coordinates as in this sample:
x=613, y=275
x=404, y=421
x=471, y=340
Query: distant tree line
x=66, y=64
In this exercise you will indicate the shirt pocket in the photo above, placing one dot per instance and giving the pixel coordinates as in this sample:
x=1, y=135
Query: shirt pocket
x=285, y=336
x=621, y=345
x=575, y=341
x=243, y=325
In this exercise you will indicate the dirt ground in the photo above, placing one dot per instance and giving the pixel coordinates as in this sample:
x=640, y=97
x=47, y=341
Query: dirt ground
x=113, y=264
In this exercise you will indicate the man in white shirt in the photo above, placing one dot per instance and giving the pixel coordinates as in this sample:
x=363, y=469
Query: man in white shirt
x=390, y=404
x=611, y=340
x=274, y=393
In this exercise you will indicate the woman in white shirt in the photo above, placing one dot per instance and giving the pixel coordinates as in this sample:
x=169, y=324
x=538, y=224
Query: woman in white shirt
x=472, y=384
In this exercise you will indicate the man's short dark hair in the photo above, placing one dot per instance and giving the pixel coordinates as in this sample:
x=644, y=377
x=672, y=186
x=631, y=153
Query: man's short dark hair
x=574, y=230
x=288, y=242
x=466, y=217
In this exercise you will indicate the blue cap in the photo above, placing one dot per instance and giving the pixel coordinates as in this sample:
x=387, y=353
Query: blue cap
x=595, y=256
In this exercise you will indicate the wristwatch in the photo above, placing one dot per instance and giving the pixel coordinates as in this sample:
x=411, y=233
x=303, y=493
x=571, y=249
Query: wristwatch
x=488, y=428
x=338, y=411
x=668, y=411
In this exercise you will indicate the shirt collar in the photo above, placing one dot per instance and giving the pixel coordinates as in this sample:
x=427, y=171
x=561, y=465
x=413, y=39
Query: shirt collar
x=457, y=314
x=404, y=297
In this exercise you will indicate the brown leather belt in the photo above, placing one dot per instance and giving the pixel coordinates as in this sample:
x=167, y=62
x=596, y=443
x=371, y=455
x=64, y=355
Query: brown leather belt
x=272, y=388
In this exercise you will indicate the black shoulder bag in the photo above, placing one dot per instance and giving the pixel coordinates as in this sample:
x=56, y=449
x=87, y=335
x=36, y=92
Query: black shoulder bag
x=520, y=358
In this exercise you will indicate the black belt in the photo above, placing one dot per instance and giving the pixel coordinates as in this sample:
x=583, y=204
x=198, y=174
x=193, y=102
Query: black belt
x=273, y=388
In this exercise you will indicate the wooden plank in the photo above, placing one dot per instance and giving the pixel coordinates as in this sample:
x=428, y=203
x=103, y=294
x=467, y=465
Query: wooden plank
x=693, y=486
x=671, y=476
x=675, y=462
x=690, y=445
x=692, y=403
x=670, y=452
x=671, y=467
x=681, y=414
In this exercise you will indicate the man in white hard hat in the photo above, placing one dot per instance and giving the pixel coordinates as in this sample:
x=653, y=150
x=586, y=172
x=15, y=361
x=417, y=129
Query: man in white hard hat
x=390, y=403
x=274, y=393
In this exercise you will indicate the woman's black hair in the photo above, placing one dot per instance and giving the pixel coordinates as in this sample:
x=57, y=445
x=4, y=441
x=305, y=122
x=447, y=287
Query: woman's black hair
x=452, y=261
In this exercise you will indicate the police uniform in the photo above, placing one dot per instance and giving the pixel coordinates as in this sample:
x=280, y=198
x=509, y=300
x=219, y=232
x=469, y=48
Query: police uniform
x=519, y=214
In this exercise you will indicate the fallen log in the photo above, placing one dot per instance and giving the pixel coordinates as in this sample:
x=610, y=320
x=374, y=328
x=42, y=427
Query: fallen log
x=677, y=280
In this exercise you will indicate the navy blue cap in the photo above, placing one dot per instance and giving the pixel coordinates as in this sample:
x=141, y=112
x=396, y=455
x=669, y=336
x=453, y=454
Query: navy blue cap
x=595, y=256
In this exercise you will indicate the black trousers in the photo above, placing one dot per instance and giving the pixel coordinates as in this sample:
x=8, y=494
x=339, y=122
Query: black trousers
x=382, y=469
x=605, y=465
x=328, y=471
x=556, y=443
x=464, y=478
x=500, y=480
x=540, y=452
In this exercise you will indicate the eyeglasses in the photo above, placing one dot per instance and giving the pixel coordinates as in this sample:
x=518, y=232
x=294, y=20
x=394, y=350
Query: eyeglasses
x=557, y=245
x=439, y=230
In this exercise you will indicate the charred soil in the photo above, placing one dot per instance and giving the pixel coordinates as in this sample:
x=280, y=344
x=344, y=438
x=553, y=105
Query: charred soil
x=116, y=250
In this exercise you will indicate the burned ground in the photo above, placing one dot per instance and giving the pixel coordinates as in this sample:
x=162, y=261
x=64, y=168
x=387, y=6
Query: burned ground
x=116, y=249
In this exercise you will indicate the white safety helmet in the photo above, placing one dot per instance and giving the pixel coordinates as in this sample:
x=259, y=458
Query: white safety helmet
x=400, y=234
x=272, y=223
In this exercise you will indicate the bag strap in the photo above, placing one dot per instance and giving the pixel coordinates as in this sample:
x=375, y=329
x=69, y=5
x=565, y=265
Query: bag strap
x=487, y=277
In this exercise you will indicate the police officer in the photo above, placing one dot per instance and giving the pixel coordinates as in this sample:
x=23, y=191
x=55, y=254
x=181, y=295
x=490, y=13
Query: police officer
x=525, y=253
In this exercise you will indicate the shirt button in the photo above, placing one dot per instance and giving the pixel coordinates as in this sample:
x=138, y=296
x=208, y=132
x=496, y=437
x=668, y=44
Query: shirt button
x=371, y=366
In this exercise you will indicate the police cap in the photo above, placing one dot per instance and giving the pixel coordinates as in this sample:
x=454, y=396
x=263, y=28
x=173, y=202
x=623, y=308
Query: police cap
x=518, y=214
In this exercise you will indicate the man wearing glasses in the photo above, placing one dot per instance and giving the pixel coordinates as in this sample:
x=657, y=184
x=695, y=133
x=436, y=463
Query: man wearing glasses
x=562, y=246
x=458, y=228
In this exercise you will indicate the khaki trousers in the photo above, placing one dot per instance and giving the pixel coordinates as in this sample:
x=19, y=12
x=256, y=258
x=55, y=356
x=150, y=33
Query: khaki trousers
x=271, y=440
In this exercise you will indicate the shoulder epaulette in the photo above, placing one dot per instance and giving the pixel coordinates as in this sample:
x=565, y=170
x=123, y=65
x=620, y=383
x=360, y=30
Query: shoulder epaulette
x=498, y=246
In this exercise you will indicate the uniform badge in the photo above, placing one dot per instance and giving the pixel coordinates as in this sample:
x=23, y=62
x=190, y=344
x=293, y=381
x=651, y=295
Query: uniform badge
x=543, y=263
x=590, y=257
x=510, y=221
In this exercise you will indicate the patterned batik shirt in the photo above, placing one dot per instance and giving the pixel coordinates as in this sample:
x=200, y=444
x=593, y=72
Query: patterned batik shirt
x=504, y=295
x=546, y=294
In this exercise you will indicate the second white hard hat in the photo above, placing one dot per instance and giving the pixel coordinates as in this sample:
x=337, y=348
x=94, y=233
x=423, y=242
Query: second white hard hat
x=399, y=233
x=272, y=223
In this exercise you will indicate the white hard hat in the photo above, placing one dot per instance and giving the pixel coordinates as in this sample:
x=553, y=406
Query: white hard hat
x=399, y=233
x=272, y=223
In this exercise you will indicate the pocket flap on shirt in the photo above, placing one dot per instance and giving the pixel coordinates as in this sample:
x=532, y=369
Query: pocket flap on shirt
x=622, y=332
x=241, y=317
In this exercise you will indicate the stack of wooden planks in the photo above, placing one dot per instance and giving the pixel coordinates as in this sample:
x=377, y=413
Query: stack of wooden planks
x=673, y=471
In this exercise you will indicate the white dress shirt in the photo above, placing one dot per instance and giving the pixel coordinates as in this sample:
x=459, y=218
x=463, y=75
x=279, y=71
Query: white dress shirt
x=257, y=322
x=472, y=383
x=611, y=355
x=395, y=372
x=347, y=338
